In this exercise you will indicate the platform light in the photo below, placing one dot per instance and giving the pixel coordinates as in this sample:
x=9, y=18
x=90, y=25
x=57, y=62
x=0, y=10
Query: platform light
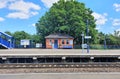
x=63, y=58
x=4, y=58
x=34, y=58
x=118, y=57
x=91, y=58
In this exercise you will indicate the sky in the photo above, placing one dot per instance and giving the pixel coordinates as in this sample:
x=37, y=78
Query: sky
x=21, y=15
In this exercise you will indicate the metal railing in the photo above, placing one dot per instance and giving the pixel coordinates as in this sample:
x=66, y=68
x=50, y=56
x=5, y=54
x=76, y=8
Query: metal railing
x=99, y=47
x=7, y=41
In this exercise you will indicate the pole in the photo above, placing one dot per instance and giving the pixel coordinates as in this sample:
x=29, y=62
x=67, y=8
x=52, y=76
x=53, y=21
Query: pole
x=0, y=38
x=82, y=42
x=87, y=30
x=105, y=43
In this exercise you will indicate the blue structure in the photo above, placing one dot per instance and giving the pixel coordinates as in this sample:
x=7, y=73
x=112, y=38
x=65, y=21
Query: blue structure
x=6, y=41
x=56, y=44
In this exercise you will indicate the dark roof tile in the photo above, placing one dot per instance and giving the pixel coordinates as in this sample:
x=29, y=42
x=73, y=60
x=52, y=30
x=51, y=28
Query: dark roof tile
x=58, y=36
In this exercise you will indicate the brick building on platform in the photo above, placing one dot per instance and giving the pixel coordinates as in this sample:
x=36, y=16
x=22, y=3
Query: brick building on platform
x=58, y=41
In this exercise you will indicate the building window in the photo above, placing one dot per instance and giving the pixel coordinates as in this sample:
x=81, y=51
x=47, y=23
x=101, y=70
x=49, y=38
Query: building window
x=50, y=42
x=63, y=42
x=67, y=41
x=71, y=42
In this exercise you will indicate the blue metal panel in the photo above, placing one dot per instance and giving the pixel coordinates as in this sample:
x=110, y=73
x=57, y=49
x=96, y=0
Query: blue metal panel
x=67, y=47
x=55, y=44
x=6, y=40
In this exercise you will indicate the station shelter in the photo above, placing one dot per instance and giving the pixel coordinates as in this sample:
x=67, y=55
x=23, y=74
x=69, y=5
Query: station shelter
x=59, y=41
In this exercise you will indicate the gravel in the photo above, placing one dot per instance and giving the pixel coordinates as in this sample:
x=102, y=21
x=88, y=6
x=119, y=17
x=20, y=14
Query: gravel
x=57, y=70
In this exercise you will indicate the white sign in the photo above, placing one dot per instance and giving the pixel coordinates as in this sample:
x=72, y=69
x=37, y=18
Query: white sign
x=38, y=45
x=84, y=45
x=25, y=42
x=82, y=34
x=87, y=37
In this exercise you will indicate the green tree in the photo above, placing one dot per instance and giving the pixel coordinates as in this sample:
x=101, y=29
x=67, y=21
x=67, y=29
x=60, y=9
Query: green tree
x=9, y=33
x=114, y=39
x=70, y=17
x=116, y=33
x=101, y=37
x=111, y=39
x=18, y=35
x=35, y=38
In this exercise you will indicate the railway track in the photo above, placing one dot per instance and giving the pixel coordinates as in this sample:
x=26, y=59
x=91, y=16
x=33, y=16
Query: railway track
x=67, y=65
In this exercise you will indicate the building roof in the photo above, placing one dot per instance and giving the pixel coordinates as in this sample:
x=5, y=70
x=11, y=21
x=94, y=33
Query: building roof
x=59, y=36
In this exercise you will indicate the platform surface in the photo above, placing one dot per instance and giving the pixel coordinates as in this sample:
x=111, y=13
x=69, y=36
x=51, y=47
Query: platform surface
x=61, y=76
x=30, y=52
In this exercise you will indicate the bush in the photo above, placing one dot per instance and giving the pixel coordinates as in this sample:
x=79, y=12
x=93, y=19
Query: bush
x=97, y=47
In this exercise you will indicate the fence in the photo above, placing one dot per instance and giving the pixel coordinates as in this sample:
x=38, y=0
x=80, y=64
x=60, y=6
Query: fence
x=99, y=46
x=79, y=46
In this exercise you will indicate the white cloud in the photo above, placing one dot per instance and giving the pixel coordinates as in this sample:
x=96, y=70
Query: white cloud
x=19, y=15
x=98, y=28
x=23, y=6
x=33, y=13
x=20, y=9
x=4, y=3
x=33, y=24
x=116, y=22
x=1, y=19
x=117, y=7
x=49, y=3
x=118, y=29
x=100, y=18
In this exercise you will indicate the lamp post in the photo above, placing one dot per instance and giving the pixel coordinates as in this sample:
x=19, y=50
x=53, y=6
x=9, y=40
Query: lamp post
x=82, y=42
x=0, y=38
x=87, y=37
x=87, y=31
x=105, y=42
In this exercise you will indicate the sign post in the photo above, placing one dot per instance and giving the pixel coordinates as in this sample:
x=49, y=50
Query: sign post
x=87, y=37
x=82, y=42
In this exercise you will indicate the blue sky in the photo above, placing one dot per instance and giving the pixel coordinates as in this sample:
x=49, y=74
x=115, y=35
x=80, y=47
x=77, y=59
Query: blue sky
x=18, y=15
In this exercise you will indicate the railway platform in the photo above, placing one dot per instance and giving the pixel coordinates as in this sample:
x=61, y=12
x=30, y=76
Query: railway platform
x=58, y=52
x=58, y=56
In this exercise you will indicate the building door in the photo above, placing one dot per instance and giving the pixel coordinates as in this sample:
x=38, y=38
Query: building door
x=55, y=44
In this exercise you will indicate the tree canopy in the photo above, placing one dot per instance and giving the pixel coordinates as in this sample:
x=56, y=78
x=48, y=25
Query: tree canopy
x=70, y=17
x=19, y=35
x=111, y=39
